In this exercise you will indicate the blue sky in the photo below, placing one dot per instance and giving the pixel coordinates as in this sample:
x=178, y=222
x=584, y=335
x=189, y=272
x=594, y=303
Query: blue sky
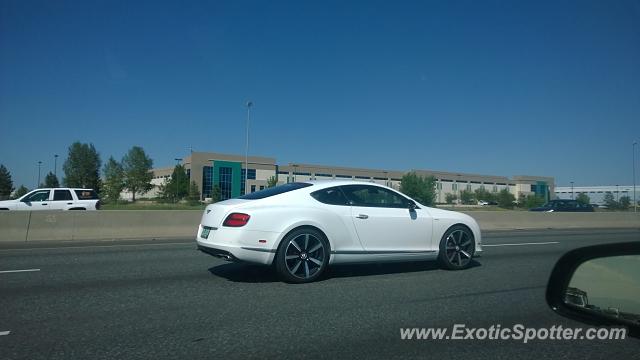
x=493, y=87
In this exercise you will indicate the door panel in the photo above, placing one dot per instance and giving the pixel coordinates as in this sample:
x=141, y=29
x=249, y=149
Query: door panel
x=384, y=222
x=389, y=229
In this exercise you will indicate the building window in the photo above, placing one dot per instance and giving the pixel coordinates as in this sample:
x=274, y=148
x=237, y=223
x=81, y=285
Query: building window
x=225, y=183
x=253, y=188
x=468, y=187
x=344, y=176
x=495, y=188
x=454, y=186
x=261, y=187
x=251, y=175
x=207, y=181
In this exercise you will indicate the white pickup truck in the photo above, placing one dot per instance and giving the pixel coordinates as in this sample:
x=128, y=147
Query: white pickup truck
x=55, y=199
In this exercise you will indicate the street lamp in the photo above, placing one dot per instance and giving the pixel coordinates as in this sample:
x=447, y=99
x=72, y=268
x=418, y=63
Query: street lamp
x=617, y=193
x=55, y=165
x=246, y=149
x=177, y=179
x=572, y=190
x=635, y=202
x=39, y=166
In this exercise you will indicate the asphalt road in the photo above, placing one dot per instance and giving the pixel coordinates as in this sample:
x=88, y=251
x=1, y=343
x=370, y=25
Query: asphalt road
x=167, y=300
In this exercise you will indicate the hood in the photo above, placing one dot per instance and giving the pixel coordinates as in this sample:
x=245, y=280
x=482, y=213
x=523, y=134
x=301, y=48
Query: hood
x=8, y=203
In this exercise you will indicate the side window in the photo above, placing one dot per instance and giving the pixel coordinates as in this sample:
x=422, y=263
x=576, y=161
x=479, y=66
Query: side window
x=42, y=195
x=373, y=196
x=86, y=195
x=62, y=195
x=331, y=196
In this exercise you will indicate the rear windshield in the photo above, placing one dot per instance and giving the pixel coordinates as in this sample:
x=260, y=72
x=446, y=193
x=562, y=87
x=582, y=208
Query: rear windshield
x=86, y=195
x=280, y=189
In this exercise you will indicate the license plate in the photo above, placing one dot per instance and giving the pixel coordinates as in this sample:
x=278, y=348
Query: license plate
x=205, y=232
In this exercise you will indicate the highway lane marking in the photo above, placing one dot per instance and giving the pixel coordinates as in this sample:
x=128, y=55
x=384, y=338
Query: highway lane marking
x=3, y=333
x=95, y=246
x=523, y=244
x=18, y=271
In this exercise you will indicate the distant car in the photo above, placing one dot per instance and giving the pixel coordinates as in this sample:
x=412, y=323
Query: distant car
x=55, y=199
x=564, y=206
x=483, y=203
x=303, y=227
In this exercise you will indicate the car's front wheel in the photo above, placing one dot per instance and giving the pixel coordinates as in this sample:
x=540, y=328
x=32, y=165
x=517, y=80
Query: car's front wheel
x=302, y=256
x=456, y=248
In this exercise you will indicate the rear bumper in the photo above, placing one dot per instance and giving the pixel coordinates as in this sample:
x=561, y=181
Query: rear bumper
x=233, y=244
x=222, y=254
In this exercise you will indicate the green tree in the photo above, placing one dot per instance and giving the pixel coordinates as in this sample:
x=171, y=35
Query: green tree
x=137, y=171
x=51, y=181
x=420, y=188
x=177, y=187
x=82, y=167
x=215, y=194
x=505, y=199
x=483, y=194
x=531, y=201
x=583, y=198
x=624, y=202
x=6, y=184
x=22, y=191
x=610, y=201
x=272, y=181
x=466, y=197
x=113, y=180
x=450, y=198
x=194, y=194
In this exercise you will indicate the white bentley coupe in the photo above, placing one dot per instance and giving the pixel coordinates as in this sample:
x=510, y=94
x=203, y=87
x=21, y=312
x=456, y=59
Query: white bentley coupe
x=303, y=227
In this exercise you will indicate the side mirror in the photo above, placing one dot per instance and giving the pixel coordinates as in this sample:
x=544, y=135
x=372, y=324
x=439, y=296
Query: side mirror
x=599, y=285
x=412, y=206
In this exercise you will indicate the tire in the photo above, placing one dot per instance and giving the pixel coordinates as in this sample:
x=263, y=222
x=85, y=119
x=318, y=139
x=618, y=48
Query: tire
x=457, y=247
x=302, y=256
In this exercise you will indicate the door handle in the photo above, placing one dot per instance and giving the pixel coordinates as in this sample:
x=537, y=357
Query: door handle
x=69, y=203
x=43, y=204
x=362, y=216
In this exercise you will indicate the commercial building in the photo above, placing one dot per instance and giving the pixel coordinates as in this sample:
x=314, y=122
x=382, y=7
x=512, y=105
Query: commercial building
x=228, y=173
x=595, y=193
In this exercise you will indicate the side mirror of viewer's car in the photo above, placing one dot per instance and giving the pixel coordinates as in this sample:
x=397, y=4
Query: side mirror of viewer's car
x=599, y=285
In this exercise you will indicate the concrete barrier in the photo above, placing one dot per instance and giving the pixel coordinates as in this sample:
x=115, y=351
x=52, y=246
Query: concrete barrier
x=97, y=225
x=512, y=220
x=164, y=224
x=14, y=225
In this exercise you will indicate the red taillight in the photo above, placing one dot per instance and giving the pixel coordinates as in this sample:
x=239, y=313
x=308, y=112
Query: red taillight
x=236, y=220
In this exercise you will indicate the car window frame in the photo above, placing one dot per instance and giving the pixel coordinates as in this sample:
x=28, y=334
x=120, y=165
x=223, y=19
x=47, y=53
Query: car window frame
x=405, y=204
x=27, y=198
x=338, y=188
x=62, y=190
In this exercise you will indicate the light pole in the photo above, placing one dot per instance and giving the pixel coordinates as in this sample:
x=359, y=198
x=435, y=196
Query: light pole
x=55, y=165
x=635, y=202
x=246, y=149
x=177, y=177
x=572, y=190
x=39, y=166
x=617, y=193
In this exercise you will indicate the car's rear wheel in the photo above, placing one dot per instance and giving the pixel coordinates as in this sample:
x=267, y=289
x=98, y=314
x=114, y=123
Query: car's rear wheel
x=457, y=247
x=302, y=256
